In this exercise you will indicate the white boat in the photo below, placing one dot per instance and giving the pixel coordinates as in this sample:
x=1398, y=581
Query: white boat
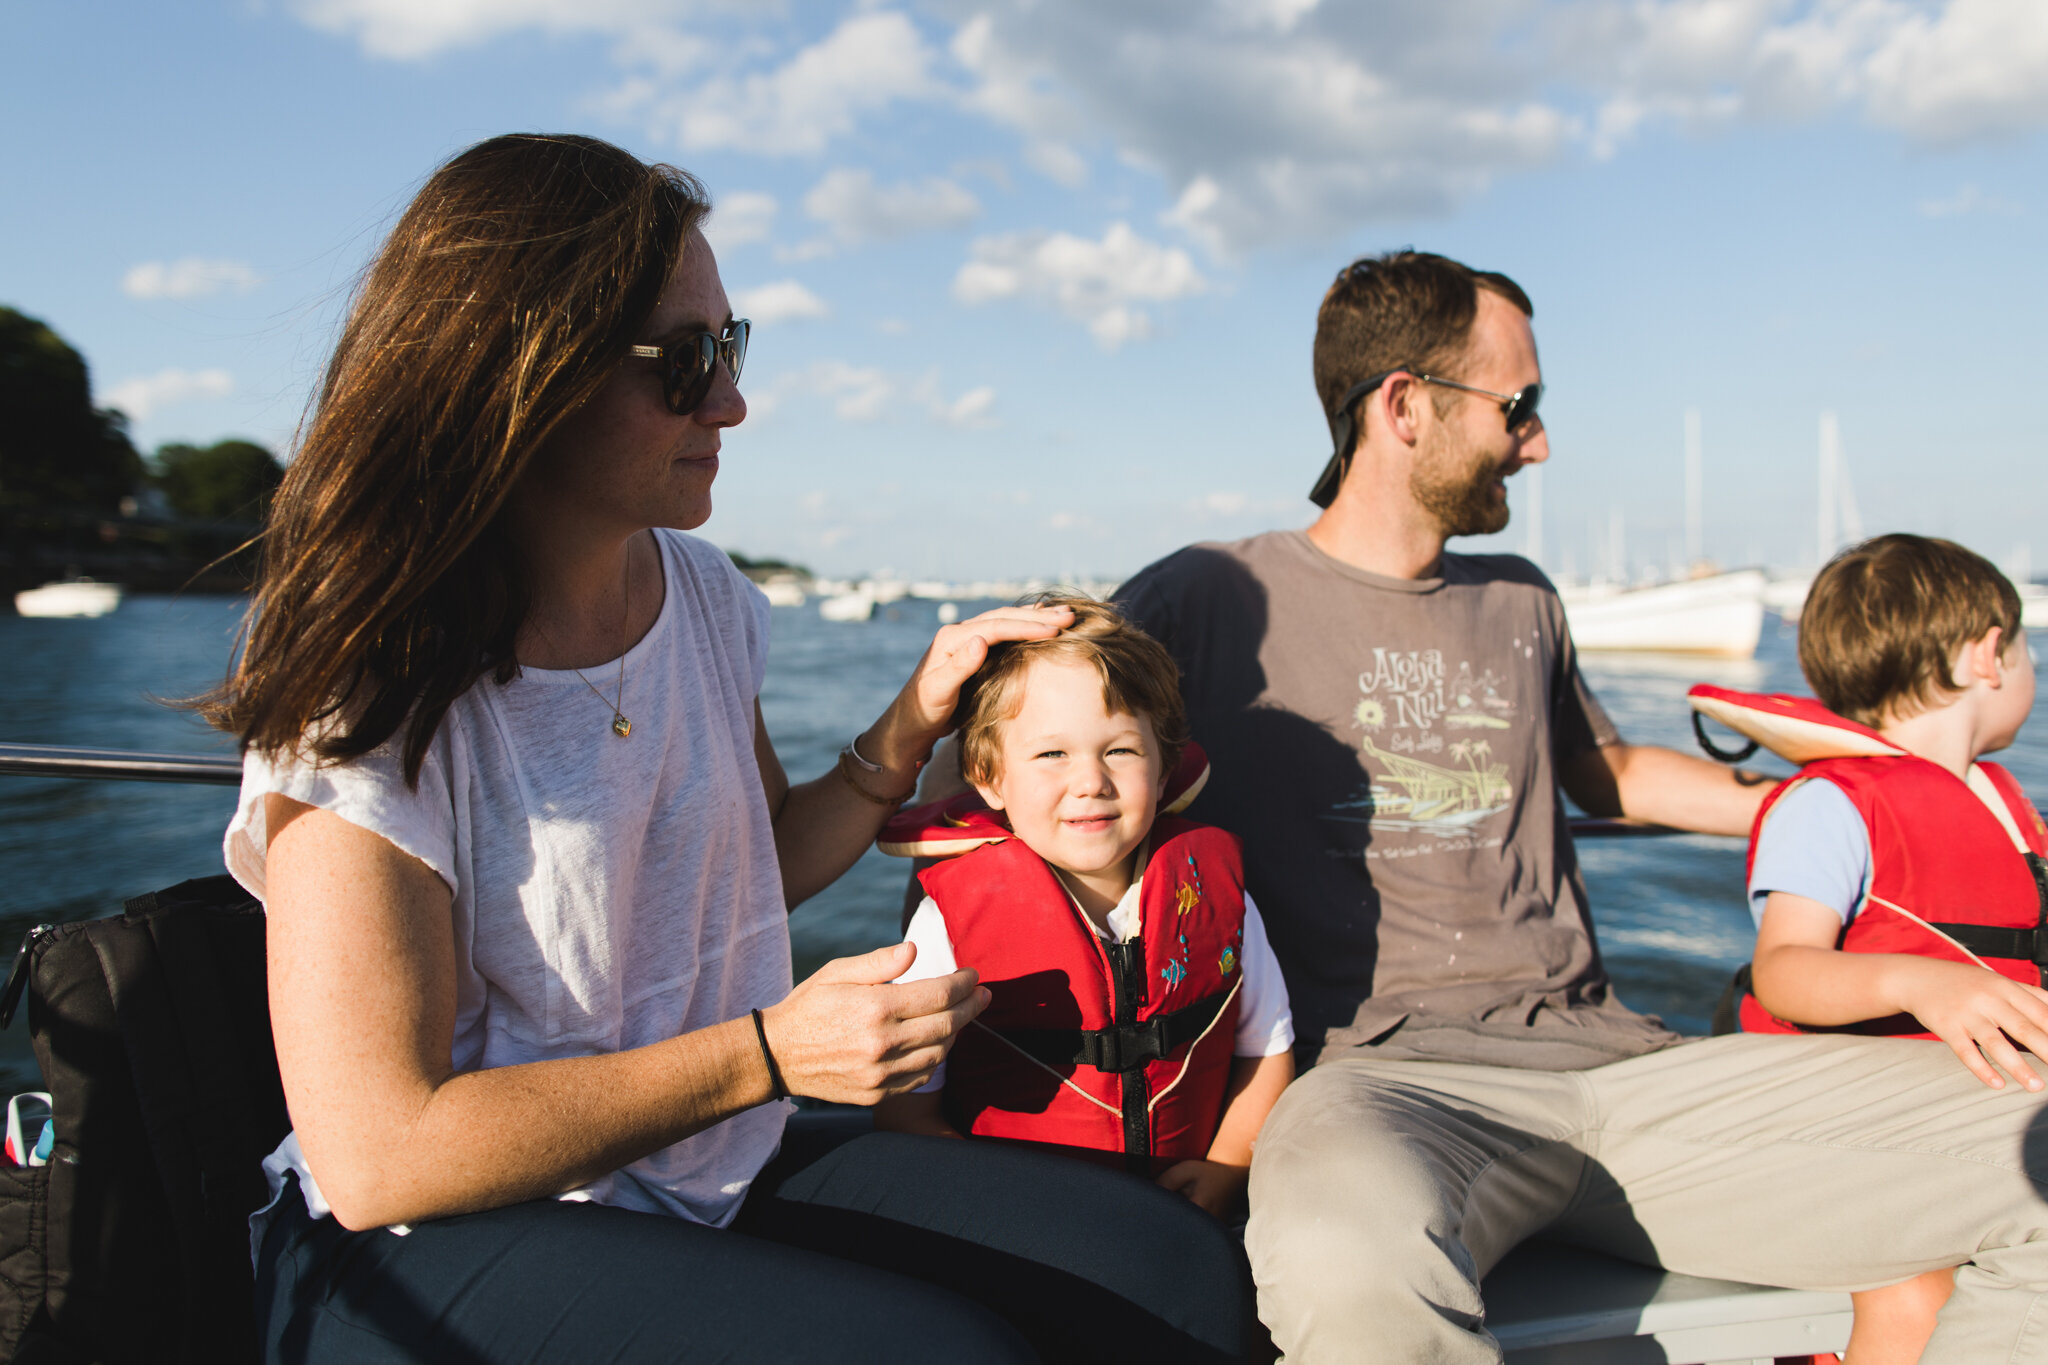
x=857, y=605
x=69, y=597
x=1787, y=596
x=1720, y=615
x=784, y=590
x=2033, y=606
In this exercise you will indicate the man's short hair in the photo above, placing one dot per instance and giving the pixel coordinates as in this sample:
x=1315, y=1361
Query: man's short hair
x=1403, y=310
x=1883, y=622
x=1139, y=678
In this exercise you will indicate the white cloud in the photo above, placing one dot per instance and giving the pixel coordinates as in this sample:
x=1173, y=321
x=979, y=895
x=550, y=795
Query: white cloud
x=1978, y=68
x=782, y=301
x=973, y=408
x=870, y=61
x=810, y=249
x=856, y=209
x=143, y=395
x=411, y=30
x=1092, y=282
x=739, y=218
x=1269, y=120
x=189, y=278
x=868, y=393
x=1301, y=120
x=1277, y=119
x=1968, y=199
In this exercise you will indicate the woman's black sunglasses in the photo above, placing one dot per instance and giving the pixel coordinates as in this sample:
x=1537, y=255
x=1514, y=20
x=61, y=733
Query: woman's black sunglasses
x=689, y=364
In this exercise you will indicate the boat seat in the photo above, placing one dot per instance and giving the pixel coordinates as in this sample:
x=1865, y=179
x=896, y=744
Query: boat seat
x=1552, y=1304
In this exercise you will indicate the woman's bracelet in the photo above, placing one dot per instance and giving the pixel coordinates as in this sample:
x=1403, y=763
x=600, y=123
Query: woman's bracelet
x=774, y=1071
x=853, y=748
x=847, y=758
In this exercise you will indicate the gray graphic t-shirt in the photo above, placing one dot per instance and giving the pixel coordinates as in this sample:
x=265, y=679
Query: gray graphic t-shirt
x=1388, y=749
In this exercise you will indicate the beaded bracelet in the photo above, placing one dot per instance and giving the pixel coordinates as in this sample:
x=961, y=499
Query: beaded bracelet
x=774, y=1071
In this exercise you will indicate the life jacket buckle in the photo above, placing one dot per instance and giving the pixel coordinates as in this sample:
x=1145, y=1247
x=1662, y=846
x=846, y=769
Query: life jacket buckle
x=1126, y=1047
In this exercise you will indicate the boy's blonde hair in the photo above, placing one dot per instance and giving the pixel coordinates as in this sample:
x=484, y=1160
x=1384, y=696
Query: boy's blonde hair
x=1883, y=621
x=1139, y=678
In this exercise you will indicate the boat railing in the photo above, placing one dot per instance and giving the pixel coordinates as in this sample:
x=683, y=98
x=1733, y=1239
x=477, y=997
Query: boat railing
x=225, y=770
x=120, y=765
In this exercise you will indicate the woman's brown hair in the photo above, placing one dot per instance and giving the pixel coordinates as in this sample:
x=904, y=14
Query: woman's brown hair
x=1139, y=678
x=1883, y=622
x=515, y=280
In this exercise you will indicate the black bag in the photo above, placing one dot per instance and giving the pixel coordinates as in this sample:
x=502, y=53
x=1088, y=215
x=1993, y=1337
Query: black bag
x=153, y=1031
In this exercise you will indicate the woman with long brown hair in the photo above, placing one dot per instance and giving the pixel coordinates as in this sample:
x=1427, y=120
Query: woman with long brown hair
x=527, y=851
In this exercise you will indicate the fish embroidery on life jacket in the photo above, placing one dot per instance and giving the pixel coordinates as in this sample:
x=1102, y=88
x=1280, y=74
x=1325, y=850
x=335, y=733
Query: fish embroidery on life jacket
x=1076, y=1049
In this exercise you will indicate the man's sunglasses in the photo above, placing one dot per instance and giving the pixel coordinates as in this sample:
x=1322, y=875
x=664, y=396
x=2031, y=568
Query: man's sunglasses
x=689, y=365
x=1518, y=408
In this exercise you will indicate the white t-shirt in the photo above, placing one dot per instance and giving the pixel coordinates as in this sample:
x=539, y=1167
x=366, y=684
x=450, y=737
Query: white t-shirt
x=608, y=893
x=1265, y=1023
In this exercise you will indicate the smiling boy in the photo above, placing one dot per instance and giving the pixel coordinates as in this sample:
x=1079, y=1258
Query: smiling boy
x=1137, y=1009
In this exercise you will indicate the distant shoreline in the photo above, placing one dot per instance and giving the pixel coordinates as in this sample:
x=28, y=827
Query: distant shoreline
x=143, y=555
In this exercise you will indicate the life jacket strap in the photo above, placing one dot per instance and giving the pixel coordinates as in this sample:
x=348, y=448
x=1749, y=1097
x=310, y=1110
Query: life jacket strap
x=2022, y=945
x=1123, y=1047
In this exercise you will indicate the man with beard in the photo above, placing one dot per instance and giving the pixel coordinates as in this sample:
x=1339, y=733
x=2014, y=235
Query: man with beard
x=1391, y=729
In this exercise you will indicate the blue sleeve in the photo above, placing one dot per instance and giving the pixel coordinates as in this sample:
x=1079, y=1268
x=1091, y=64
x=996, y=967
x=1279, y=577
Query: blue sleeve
x=1813, y=845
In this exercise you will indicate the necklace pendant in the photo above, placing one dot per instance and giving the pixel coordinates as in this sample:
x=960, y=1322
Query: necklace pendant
x=621, y=726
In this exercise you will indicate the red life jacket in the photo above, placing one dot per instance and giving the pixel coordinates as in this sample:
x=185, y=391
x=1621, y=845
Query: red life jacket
x=1957, y=868
x=1949, y=879
x=1095, y=1046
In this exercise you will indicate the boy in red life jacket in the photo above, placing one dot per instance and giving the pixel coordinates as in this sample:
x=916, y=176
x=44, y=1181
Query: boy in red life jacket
x=1872, y=876
x=1138, y=1015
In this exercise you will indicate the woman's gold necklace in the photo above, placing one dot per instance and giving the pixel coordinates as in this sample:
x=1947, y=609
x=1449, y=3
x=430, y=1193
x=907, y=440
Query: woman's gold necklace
x=620, y=725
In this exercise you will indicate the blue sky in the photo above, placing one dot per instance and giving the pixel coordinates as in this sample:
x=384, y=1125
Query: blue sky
x=1034, y=283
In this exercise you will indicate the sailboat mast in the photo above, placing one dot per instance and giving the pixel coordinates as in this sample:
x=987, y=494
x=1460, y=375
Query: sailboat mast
x=1830, y=481
x=1695, y=482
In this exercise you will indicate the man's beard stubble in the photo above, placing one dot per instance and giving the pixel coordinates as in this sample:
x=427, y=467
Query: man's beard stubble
x=1457, y=489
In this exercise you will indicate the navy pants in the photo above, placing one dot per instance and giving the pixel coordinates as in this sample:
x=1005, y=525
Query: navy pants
x=885, y=1248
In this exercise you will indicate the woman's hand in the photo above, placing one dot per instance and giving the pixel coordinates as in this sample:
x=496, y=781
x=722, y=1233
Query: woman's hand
x=923, y=710
x=850, y=1035
x=1216, y=1187
x=823, y=825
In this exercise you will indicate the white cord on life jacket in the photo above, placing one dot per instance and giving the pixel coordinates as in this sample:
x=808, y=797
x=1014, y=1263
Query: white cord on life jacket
x=976, y=1023
x=1099, y=1104
x=1186, y=1061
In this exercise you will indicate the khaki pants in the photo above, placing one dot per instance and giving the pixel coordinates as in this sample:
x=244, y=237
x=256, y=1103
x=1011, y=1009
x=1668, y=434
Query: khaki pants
x=1382, y=1190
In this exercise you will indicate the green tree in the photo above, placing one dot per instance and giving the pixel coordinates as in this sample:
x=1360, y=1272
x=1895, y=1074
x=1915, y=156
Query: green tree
x=226, y=481
x=56, y=448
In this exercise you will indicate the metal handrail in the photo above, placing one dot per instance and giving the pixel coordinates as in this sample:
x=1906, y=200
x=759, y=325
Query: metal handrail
x=125, y=765
x=225, y=770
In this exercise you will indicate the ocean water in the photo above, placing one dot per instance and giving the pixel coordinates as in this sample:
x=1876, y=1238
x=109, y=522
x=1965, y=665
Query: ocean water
x=1669, y=910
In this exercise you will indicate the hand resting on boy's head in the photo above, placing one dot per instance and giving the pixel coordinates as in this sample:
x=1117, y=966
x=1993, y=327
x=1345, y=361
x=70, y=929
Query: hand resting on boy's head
x=848, y=1035
x=923, y=711
x=1977, y=1012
